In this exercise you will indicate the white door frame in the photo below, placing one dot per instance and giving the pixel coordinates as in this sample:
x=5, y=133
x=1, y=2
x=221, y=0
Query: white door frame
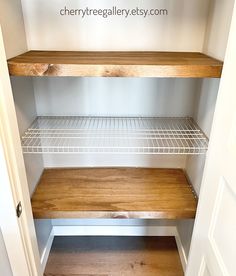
x=18, y=233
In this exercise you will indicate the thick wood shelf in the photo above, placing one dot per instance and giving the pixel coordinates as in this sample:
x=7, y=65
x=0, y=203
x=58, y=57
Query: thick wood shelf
x=114, y=193
x=115, y=64
x=106, y=256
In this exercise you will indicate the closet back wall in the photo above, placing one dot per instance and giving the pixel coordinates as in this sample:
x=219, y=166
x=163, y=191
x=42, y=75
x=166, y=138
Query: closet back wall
x=183, y=29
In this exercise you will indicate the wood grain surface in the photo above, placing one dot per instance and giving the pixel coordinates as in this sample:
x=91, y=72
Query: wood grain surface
x=114, y=256
x=115, y=64
x=113, y=193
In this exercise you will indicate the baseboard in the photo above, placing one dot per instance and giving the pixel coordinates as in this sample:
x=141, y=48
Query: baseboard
x=46, y=251
x=114, y=230
x=181, y=250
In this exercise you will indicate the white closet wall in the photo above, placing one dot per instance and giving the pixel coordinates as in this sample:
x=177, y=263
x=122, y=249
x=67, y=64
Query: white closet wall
x=114, y=96
x=182, y=30
x=13, y=30
x=218, y=25
x=23, y=93
x=217, y=30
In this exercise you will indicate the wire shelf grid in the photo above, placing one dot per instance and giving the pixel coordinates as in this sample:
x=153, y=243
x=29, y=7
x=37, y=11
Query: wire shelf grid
x=137, y=135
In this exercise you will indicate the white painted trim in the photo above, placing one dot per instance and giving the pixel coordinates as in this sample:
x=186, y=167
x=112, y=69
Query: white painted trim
x=46, y=252
x=114, y=230
x=182, y=254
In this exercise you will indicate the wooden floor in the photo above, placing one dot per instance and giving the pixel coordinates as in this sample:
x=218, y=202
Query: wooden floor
x=114, y=193
x=114, y=256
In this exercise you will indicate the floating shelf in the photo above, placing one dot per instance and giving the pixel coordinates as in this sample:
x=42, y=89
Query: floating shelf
x=115, y=64
x=113, y=193
x=114, y=256
x=118, y=135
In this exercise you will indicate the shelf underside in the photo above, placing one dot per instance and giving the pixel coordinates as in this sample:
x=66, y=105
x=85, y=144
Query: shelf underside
x=114, y=256
x=115, y=64
x=114, y=193
x=114, y=135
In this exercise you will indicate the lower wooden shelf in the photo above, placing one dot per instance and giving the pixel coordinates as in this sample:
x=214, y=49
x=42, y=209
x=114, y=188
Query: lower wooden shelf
x=114, y=193
x=108, y=256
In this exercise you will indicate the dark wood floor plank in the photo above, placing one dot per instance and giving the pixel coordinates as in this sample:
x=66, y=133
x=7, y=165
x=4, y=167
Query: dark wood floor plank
x=114, y=256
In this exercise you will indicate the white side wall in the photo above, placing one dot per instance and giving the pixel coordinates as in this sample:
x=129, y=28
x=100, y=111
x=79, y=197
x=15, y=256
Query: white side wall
x=205, y=100
x=12, y=23
x=23, y=93
x=5, y=268
x=43, y=229
x=219, y=19
x=215, y=42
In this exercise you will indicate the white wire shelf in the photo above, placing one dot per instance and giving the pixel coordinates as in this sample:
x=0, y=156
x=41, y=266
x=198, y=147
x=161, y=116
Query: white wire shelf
x=136, y=135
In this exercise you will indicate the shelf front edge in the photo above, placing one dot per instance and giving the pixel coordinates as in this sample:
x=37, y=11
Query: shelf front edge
x=100, y=70
x=168, y=214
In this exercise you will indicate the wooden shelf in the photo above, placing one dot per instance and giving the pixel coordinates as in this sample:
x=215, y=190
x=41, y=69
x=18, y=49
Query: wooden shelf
x=146, y=256
x=115, y=64
x=114, y=193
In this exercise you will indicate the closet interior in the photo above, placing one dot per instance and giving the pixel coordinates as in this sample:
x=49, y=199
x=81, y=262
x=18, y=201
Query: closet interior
x=114, y=122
